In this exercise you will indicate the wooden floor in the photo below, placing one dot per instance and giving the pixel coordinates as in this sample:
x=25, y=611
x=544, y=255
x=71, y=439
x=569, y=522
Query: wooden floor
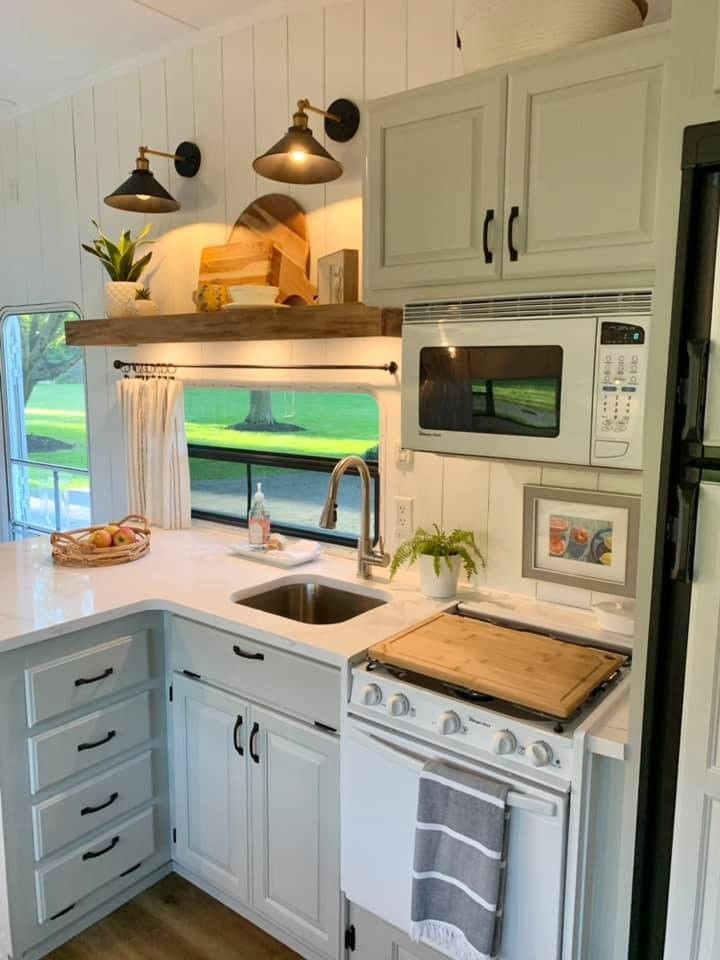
x=173, y=921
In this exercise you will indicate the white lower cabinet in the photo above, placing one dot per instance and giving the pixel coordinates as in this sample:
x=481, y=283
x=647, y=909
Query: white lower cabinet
x=211, y=810
x=376, y=940
x=295, y=799
x=244, y=771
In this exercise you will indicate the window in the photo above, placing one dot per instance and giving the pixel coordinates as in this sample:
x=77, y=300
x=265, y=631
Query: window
x=45, y=424
x=289, y=440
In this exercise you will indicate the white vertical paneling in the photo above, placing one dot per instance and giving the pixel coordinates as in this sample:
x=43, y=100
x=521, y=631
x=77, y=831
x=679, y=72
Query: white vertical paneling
x=306, y=80
x=86, y=181
x=27, y=245
x=430, y=41
x=153, y=133
x=180, y=126
x=385, y=47
x=68, y=248
x=344, y=77
x=12, y=272
x=238, y=121
x=577, y=478
x=466, y=492
x=272, y=110
x=505, y=526
x=48, y=279
x=209, y=131
x=107, y=155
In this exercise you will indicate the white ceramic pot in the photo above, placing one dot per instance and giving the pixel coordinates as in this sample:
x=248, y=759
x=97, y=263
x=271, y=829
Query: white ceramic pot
x=443, y=585
x=120, y=298
x=145, y=308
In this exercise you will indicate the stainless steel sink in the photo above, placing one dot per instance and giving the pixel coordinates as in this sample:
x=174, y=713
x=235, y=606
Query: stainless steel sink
x=310, y=601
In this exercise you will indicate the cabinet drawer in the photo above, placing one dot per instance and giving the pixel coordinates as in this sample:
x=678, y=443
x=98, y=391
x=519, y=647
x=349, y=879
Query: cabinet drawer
x=74, y=747
x=80, y=679
x=295, y=685
x=62, y=883
x=66, y=817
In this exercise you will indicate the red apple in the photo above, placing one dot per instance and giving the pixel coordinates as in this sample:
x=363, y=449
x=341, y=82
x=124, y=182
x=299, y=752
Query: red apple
x=101, y=538
x=123, y=536
x=112, y=528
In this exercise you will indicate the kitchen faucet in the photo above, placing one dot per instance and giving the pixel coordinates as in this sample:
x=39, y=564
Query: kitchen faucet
x=369, y=554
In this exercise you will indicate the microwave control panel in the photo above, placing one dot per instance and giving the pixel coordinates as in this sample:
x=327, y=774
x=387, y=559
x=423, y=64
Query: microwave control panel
x=619, y=402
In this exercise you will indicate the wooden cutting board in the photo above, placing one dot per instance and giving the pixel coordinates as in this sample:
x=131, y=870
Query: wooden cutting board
x=533, y=671
x=279, y=218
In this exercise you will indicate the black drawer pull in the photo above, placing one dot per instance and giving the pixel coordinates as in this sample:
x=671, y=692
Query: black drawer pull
x=512, y=249
x=98, y=743
x=247, y=656
x=94, y=854
x=103, y=806
x=63, y=912
x=236, y=731
x=126, y=873
x=253, y=737
x=489, y=217
x=84, y=681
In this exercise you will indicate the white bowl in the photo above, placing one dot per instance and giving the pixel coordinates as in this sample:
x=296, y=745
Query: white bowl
x=253, y=294
x=616, y=615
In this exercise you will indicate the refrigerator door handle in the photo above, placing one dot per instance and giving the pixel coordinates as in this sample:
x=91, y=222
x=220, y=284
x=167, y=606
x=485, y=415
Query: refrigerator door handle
x=695, y=389
x=684, y=532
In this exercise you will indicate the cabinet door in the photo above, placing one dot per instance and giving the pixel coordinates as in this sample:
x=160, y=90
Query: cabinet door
x=377, y=940
x=295, y=828
x=434, y=189
x=211, y=811
x=581, y=169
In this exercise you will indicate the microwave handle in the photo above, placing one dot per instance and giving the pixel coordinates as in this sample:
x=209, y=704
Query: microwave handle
x=518, y=801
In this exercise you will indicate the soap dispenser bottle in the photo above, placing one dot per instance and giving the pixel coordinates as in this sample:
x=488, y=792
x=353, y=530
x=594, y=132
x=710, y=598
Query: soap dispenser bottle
x=258, y=520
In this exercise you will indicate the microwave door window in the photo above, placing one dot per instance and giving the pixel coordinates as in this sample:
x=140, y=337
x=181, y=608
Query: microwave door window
x=511, y=391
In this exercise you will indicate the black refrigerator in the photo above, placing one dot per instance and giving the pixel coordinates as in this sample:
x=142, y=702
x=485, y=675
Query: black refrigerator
x=687, y=461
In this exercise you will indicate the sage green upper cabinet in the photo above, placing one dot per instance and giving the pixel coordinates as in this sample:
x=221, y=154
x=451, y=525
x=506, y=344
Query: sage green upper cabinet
x=544, y=168
x=581, y=168
x=435, y=177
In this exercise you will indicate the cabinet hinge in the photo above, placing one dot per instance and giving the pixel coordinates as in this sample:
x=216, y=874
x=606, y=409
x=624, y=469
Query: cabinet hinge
x=174, y=835
x=350, y=938
x=171, y=693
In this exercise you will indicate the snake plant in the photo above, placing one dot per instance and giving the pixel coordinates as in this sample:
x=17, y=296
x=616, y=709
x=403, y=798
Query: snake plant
x=118, y=259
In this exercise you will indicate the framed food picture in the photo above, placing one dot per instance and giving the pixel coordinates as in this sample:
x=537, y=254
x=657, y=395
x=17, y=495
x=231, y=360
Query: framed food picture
x=338, y=277
x=581, y=538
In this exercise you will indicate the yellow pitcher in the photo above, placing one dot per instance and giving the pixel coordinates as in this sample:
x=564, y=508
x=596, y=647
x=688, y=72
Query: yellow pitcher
x=210, y=296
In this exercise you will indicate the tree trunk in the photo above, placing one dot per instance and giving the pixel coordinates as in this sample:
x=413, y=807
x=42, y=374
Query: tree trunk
x=260, y=413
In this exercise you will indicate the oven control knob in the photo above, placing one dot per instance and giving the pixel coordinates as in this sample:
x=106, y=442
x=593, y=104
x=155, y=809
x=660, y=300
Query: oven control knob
x=398, y=705
x=504, y=742
x=370, y=694
x=448, y=722
x=539, y=753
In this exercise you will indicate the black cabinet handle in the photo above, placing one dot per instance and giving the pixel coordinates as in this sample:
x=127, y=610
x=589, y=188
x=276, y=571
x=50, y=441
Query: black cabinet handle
x=698, y=352
x=63, y=912
x=126, y=873
x=489, y=217
x=239, y=652
x=512, y=249
x=684, y=534
x=94, y=854
x=98, y=743
x=253, y=737
x=83, y=681
x=236, y=730
x=103, y=806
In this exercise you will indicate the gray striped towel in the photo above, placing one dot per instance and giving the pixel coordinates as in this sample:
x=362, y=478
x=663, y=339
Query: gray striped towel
x=459, y=871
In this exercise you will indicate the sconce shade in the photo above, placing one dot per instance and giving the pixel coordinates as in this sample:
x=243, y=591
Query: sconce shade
x=141, y=193
x=298, y=158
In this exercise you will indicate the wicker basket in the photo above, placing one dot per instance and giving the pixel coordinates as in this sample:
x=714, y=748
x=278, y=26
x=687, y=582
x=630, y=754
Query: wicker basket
x=74, y=549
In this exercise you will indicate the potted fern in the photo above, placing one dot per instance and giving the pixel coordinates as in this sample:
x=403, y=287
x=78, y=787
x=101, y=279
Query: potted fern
x=439, y=556
x=118, y=260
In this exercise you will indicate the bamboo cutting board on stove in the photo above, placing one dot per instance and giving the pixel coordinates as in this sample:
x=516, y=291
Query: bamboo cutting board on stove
x=537, y=672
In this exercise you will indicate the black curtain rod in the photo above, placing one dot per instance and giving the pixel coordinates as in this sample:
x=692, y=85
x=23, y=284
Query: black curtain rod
x=169, y=368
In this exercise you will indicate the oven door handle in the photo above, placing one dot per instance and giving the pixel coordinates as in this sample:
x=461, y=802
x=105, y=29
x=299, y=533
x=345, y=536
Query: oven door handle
x=516, y=800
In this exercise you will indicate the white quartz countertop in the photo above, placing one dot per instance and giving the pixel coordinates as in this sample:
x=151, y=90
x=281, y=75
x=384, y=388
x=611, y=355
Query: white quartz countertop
x=193, y=573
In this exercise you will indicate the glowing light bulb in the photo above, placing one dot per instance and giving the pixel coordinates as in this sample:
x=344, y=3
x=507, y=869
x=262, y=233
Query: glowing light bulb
x=452, y=352
x=298, y=155
x=143, y=196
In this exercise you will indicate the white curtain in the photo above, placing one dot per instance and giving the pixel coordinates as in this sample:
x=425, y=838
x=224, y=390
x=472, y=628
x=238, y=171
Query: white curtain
x=158, y=468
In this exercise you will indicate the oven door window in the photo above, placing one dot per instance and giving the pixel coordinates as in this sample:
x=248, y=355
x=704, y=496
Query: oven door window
x=496, y=390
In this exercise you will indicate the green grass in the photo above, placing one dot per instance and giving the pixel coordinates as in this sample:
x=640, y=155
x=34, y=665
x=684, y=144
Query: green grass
x=336, y=424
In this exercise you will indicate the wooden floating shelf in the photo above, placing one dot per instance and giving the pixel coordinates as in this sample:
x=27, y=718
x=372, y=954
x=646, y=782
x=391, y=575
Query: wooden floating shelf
x=247, y=323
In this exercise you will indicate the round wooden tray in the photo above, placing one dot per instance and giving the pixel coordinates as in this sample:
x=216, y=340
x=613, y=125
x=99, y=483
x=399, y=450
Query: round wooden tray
x=73, y=548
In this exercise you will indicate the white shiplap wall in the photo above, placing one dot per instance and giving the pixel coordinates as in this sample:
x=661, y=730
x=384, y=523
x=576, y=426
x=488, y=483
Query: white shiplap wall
x=233, y=94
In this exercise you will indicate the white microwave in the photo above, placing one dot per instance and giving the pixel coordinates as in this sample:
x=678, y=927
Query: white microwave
x=556, y=379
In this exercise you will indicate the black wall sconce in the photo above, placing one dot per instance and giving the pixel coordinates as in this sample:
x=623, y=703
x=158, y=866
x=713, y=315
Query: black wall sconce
x=298, y=157
x=141, y=193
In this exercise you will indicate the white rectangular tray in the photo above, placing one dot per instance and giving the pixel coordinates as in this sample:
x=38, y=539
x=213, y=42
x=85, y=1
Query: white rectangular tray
x=301, y=552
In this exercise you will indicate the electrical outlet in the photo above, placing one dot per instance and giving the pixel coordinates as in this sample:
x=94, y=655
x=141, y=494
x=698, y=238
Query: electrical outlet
x=403, y=517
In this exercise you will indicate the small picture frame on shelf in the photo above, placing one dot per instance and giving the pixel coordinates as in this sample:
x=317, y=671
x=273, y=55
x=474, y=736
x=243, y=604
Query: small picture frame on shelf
x=581, y=538
x=338, y=277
